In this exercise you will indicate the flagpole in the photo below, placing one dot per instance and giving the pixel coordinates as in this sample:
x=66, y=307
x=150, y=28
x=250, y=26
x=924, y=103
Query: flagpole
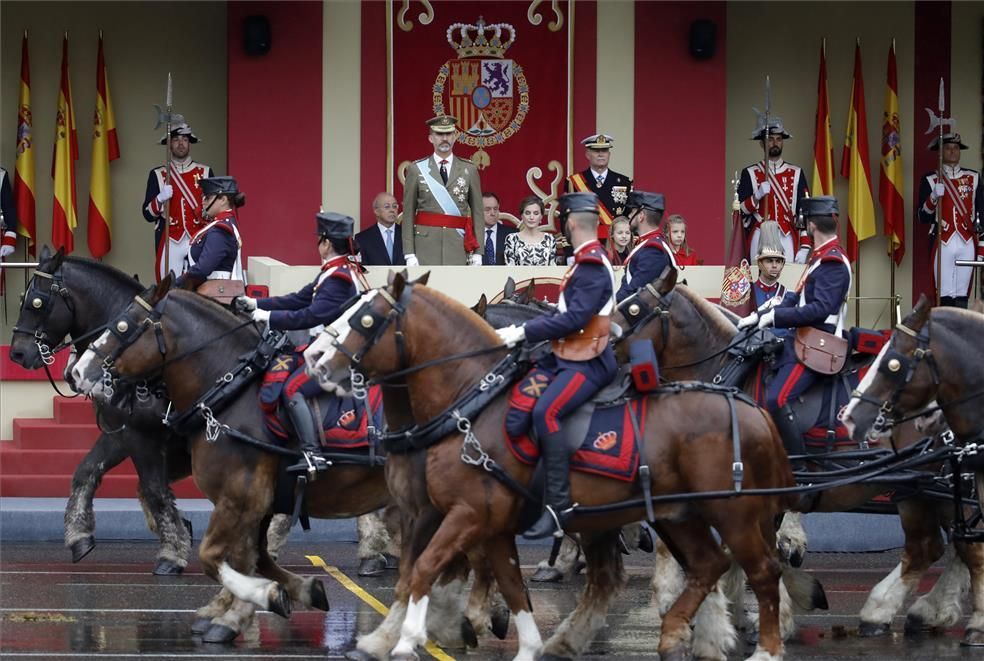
x=167, y=178
x=939, y=215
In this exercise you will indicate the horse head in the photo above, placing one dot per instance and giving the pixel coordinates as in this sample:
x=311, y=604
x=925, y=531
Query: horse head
x=635, y=314
x=904, y=378
x=46, y=313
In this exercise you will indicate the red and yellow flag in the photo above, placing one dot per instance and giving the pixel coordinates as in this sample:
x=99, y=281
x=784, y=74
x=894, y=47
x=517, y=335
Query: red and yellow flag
x=24, y=163
x=823, y=145
x=105, y=148
x=854, y=166
x=64, y=217
x=890, y=182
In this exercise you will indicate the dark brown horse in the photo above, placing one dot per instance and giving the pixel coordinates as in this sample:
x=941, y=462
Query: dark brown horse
x=685, y=329
x=414, y=333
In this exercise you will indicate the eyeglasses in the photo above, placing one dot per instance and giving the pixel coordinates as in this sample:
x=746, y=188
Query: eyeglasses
x=389, y=206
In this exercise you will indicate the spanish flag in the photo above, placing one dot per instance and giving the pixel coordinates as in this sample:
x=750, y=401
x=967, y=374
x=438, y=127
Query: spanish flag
x=823, y=145
x=105, y=148
x=64, y=217
x=24, y=163
x=890, y=182
x=854, y=166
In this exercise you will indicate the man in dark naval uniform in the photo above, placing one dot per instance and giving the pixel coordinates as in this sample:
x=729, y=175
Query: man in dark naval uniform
x=582, y=361
x=651, y=254
x=612, y=188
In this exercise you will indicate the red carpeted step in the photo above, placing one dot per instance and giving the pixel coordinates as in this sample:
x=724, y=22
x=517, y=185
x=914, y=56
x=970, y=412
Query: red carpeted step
x=59, y=486
x=45, y=433
x=74, y=411
x=17, y=461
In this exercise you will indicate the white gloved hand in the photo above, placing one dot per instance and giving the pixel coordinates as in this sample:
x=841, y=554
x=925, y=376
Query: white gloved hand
x=768, y=319
x=6, y=250
x=938, y=191
x=763, y=189
x=474, y=259
x=167, y=192
x=511, y=335
x=261, y=316
x=802, y=255
x=411, y=260
x=749, y=321
x=245, y=303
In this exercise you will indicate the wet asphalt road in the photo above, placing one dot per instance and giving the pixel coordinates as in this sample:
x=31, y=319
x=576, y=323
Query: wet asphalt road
x=110, y=606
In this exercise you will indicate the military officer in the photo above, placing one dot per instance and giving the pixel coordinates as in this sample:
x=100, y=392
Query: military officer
x=651, y=254
x=778, y=190
x=960, y=201
x=442, y=203
x=771, y=259
x=582, y=362
x=612, y=188
x=214, y=251
x=8, y=216
x=181, y=199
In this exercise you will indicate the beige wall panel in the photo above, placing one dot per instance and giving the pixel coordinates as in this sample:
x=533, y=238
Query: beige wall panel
x=790, y=55
x=143, y=41
x=342, y=107
x=967, y=55
x=615, y=85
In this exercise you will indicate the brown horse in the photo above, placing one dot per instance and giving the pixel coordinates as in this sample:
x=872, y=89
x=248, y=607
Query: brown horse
x=685, y=329
x=933, y=356
x=412, y=334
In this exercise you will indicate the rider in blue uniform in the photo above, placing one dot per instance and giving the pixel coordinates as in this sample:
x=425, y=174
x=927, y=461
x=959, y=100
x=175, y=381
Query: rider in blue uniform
x=819, y=301
x=582, y=362
x=215, y=250
x=651, y=255
x=318, y=304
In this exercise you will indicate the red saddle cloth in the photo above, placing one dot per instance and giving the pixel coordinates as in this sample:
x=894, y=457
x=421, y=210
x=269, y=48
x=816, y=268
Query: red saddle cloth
x=610, y=448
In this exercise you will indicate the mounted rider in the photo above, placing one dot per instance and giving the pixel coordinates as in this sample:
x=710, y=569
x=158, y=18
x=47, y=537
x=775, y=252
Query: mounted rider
x=819, y=301
x=316, y=305
x=215, y=250
x=651, y=255
x=582, y=361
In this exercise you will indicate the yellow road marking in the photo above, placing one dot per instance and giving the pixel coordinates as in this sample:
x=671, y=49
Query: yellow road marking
x=373, y=603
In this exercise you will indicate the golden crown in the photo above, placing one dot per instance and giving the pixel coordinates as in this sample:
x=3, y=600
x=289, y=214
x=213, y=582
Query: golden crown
x=480, y=40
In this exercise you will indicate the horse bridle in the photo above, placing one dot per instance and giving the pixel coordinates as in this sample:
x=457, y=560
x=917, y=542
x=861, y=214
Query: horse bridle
x=639, y=312
x=43, y=302
x=372, y=324
x=127, y=328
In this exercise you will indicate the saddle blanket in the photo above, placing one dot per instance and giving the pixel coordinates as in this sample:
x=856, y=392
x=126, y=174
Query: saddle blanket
x=609, y=449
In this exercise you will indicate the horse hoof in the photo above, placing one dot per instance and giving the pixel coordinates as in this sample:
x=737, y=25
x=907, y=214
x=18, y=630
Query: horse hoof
x=359, y=655
x=579, y=567
x=318, y=596
x=645, y=540
x=547, y=575
x=468, y=633
x=374, y=566
x=82, y=548
x=167, y=568
x=915, y=625
x=392, y=562
x=555, y=657
x=187, y=525
x=219, y=633
x=280, y=604
x=675, y=654
x=201, y=625
x=973, y=638
x=405, y=656
x=873, y=629
x=499, y=624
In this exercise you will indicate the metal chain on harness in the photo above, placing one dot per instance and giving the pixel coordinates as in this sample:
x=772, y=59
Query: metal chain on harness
x=360, y=388
x=213, y=428
x=471, y=445
x=107, y=382
x=47, y=355
x=142, y=392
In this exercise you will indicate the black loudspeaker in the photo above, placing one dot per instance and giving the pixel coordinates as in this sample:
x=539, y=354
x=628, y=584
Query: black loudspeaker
x=703, y=39
x=256, y=35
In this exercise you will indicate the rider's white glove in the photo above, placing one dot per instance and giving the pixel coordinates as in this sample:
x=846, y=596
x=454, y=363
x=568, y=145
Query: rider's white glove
x=511, y=335
x=938, y=191
x=749, y=321
x=411, y=260
x=474, y=259
x=763, y=189
x=6, y=250
x=261, y=316
x=245, y=303
x=768, y=319
x=167, y=192
x=802, y=255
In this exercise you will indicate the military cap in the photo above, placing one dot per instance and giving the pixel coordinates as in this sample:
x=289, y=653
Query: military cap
x=599, y=141
x=443, y=124
x=334, y=225
x=775, y=127
x=949, y=138
x=218, y=186
x=644, y=200
x=770, y=241
x=181, y=128
x=574, y=202
x=824, y=205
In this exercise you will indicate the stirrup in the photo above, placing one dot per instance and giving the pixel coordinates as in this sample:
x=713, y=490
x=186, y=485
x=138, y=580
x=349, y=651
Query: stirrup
x=312, y=464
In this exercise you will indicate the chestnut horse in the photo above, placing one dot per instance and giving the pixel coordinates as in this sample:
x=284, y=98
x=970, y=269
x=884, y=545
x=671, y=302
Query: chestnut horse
x=934, y=356
x=441, y=351
x=685, y=329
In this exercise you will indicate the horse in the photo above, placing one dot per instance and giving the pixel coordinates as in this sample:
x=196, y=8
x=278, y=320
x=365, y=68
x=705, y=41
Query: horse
x=406, y=337
x=933, y=360
x=690, y=337
x=235, y=469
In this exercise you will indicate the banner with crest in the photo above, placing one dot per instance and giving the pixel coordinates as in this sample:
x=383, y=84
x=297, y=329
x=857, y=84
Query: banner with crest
x=502, y=69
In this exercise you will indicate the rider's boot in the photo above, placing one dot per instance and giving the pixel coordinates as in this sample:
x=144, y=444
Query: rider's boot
x=792, y=439
x=312, y=462
x=557, y=478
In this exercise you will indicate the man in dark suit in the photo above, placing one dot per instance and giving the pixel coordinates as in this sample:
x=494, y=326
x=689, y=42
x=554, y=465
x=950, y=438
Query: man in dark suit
x=382, y=244
x=493, y=240
x=612, y=188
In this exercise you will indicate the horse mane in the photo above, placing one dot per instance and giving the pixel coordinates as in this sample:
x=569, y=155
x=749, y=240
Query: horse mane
x=203, y=306
x=713, y=317
x=462, y=310
x=105, y=269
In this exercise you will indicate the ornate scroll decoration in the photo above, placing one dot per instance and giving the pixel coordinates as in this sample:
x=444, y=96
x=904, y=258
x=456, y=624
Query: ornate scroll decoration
x=549, y=199
x=401, y=172
x=425, y=18
x=535, y=18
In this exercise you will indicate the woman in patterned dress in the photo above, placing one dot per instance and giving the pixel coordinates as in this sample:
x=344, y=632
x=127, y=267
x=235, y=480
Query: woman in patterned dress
x=530, y=246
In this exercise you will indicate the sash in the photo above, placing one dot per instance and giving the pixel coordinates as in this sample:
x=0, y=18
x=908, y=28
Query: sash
x=581, y=186
x=642, y=244
x=777, y=191
x=179, y=183
x=837, y=319
x=954, y=195
x=440, y=193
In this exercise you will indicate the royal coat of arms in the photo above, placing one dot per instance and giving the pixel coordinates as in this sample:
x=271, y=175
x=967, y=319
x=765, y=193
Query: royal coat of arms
x=488, y=94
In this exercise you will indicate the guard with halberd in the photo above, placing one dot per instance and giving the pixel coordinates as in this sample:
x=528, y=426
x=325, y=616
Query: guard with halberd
x=612, y=188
